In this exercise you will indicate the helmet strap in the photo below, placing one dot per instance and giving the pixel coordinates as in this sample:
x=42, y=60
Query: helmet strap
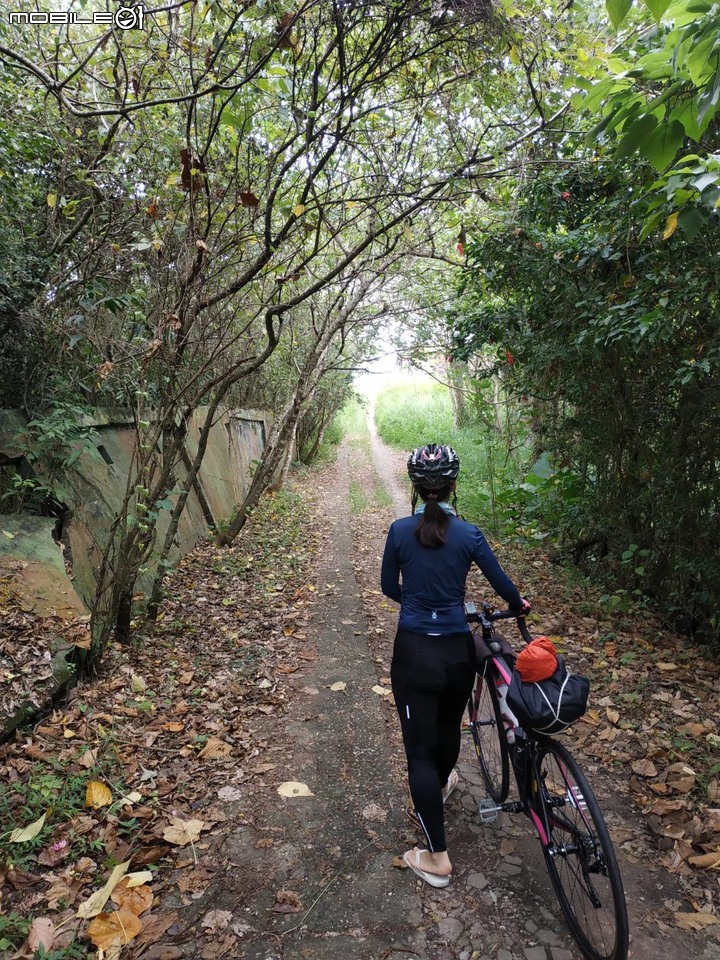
x=414, y=499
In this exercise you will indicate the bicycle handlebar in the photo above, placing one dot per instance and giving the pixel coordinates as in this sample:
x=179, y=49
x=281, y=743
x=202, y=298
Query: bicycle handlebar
x=487, y=616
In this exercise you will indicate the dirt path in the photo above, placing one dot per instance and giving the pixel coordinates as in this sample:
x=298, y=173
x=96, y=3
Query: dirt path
x=270, y=663
x=500, y=904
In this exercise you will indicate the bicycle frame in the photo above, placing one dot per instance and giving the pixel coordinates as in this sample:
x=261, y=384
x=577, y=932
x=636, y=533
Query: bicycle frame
x=555, y=795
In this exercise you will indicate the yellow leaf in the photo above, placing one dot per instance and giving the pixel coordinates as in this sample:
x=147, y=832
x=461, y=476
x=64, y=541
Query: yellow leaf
x=666, y=666
x=138, y=878
x=51, y=200
x=670, y=226
x=138, y=684
x=407, y=232
x=68, y=733
x=10, y=536
x=131, y=798
x=97, y=795
x=381, y=691
x=299, y=209
x=110, y=930
x=23, y=834
x=340, y=685
x=612, y=715
x=181, y=832
x=94, y=903
x=291, y=788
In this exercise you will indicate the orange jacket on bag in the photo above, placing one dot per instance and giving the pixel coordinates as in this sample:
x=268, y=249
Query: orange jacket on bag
x=537, y=661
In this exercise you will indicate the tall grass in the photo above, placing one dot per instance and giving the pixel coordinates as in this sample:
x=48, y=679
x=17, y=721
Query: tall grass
x=411, y=415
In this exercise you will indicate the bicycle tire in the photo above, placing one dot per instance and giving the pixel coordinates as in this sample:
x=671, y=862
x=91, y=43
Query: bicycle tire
x=579, y=854
x=488, y=733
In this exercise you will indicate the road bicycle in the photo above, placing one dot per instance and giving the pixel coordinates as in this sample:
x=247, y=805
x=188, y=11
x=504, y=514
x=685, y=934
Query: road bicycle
x=554, y=794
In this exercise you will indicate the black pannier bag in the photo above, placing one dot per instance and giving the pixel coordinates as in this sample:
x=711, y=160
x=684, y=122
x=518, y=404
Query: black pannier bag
x=549, y=706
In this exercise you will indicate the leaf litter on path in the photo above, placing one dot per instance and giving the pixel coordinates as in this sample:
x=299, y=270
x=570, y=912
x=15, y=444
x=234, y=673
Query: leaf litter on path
x=164, y=750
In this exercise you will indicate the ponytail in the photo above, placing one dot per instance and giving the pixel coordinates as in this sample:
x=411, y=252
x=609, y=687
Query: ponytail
x=434, y=522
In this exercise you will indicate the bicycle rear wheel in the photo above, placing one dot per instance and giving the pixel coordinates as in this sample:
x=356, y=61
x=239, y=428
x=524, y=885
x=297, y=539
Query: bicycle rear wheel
x=579, y=854
x=488, y=733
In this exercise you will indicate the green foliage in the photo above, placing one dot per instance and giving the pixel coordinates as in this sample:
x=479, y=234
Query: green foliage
x=659, y=94
x=617, y=343
x=409, y=416
x=51, y=789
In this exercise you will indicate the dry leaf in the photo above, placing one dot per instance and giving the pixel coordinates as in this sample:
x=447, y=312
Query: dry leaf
x=23, y=834
x=88, y=759
x=291, y=788
x=94, y=904
x=666, y=666
x=612, y=715
x=215, y=749
x=287, y=901
x=131, y=798
x=340, y=685
x=136, y=899
x=399, y=863
x=54, y=853
x=644, y=768
x=41, y=934
x=216, y=919
x=174, y=727
x=230, y=794
x=97, y=795
x=706, y=861
x=374, y=812
x=137, y=683
x=138, y=878
x=381, y=691
x=114, y=929
x=694, y=921
x=182, y=832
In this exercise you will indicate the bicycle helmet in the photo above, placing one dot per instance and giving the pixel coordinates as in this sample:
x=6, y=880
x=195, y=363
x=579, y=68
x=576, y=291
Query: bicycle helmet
x=432, y=466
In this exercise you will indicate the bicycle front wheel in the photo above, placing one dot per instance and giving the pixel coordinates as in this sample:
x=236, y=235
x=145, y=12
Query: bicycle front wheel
x=488, y=733
x=579, y=854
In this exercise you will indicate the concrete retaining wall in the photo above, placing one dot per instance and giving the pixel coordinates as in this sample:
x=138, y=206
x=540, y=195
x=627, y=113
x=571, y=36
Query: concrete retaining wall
x=94, y=487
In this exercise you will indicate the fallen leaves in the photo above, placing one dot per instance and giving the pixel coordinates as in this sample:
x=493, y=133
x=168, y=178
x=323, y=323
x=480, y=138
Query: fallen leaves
x=287, y=901
x=695, y=921
x=644, y=768
x=114, y=929
x=215, y=749
x=292, y=788
x=135, y=898
x=182, y=832
x=23, y=834
x=97, y=795
x=94, y=904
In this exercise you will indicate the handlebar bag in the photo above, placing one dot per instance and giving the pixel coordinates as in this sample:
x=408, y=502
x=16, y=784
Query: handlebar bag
x=549, y=706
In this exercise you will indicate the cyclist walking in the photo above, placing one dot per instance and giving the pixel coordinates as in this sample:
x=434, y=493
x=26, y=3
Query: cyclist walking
x=427, y=558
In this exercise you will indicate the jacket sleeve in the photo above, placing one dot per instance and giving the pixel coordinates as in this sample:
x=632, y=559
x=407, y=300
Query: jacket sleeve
x=390, y=571
x=494, y=573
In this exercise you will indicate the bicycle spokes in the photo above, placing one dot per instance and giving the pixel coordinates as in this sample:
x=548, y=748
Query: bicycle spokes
x=579, y=854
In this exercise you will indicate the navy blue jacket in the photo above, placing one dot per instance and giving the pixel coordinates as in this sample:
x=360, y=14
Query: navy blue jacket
x=433, y=579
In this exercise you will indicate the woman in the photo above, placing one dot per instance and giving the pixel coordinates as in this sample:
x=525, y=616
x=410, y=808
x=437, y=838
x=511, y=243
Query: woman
x=433, y=665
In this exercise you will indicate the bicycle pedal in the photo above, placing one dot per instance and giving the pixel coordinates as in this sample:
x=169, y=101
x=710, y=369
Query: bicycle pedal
x=487, y=810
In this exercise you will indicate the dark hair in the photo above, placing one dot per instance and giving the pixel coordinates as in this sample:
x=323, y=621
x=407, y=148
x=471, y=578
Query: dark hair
x=434, y=521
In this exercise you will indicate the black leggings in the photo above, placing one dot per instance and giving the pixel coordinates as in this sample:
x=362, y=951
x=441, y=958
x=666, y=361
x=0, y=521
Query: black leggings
x=431, y=680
